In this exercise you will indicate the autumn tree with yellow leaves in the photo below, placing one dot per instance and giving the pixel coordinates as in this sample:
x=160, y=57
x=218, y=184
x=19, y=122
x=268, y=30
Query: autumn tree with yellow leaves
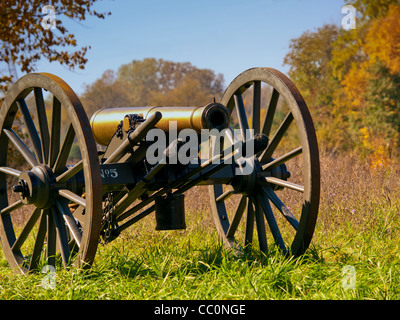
x=352, y=81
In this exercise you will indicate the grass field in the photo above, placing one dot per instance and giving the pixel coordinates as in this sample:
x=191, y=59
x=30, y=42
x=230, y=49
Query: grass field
x=354, y=253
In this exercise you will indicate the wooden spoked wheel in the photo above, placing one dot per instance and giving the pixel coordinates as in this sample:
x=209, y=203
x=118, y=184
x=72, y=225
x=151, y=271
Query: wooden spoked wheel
x=50, y=185
x=281, y=194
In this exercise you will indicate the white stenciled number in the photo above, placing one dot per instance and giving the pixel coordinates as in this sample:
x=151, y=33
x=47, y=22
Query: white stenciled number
x=113, y=173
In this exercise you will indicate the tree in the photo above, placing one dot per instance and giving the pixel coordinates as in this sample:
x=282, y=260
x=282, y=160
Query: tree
x=105, y=92
x=383, y=40
x=309, y=58
x=23, y=40
x=372, y=86
x=153, y=82
x=351, y=80
x=310, y=69
x=141, y=78
x=372, y=9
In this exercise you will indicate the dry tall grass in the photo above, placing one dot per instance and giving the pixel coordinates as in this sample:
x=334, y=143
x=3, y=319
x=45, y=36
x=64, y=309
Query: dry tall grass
x=351, y=192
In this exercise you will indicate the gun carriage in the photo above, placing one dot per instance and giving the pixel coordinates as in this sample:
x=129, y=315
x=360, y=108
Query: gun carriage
x=68, y=196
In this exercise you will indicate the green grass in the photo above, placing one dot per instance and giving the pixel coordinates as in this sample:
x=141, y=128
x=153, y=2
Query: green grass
x=190, y=265
x=358, y=226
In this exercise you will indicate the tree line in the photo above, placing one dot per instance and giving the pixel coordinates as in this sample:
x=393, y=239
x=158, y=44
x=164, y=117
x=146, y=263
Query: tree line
x=153, y=82
x=351, y=81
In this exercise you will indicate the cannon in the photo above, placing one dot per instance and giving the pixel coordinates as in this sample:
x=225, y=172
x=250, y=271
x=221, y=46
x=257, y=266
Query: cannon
x=67, y=184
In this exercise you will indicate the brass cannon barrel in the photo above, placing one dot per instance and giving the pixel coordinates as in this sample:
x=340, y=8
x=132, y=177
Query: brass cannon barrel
x=104, y=122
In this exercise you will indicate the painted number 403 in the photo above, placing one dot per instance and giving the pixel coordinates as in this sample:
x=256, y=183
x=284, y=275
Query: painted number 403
x=108, y=173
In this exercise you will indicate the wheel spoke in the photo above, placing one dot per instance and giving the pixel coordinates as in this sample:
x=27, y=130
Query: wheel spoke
x=269, y=115
x=65, y=176
x=241, y=112
x=72, y=196
x=26, y=230
x=271, y=222
x=79, y=215
x=43, y=125
x=237, y=217
x=39, y=242
x=261, y=232
x=70, y=221
x=285, y=184
x=51, y=238
x=21, y=147
x=277, y=138
x=30, y=126
x=11, y=208
x=249, y=224
x=256, y=107
x=280, y=206
x=281, y=160
x=62, y=158
x=62, y=237
x=10, y=171
x=55, y=132
x=225, y=196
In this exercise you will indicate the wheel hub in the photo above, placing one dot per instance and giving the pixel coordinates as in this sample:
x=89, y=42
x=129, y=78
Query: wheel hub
x=280, y=172
x=245, y=183
x=36, y=187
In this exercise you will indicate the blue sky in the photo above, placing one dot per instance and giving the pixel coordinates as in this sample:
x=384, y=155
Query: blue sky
x=227, y=36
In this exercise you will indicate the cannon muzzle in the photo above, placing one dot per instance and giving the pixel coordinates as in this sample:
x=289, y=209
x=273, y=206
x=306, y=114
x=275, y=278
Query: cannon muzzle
x=105, y=122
